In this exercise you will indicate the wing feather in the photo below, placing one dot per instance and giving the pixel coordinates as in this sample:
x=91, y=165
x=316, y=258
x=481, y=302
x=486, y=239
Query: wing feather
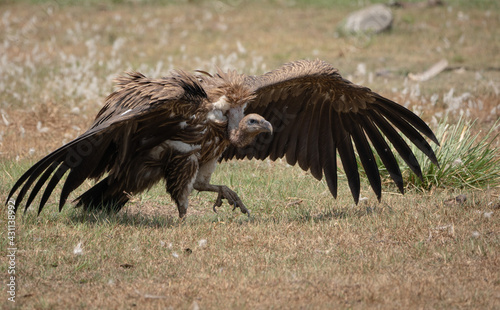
x=56, y=177
x=302, y=152
x=410, y=132
x=383, y=150
x=41, y=181
x=291, y=148
x=398, y=143
x=283, y=119
x=312, y=155
x=365, y=154
x=406, y=114
x=328, y=154
x=347, y=156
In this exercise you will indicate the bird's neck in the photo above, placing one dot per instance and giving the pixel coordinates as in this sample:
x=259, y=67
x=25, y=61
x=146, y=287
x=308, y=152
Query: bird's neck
x=239, y=138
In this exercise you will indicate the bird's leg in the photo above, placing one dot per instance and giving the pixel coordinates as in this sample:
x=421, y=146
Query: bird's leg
x=180, y=174
x=223, y=192
x=202, y=184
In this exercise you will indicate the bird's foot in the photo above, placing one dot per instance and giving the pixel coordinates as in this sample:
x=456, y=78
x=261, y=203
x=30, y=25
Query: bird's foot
x=232, y=198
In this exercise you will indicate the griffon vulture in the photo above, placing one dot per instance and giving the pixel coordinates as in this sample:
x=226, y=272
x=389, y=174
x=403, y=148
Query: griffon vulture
x=177, y=128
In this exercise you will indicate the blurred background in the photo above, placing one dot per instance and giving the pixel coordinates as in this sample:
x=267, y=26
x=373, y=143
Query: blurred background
x=58, y=58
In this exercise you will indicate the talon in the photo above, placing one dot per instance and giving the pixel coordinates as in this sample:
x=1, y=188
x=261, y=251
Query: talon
x=232, y=198
x=244, y=210
x=218, y=202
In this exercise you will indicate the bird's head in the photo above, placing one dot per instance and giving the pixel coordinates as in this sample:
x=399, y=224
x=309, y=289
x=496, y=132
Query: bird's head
x=253, y=124
x=249, y=127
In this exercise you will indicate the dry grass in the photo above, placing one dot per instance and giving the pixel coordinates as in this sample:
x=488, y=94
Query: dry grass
x=301, y=248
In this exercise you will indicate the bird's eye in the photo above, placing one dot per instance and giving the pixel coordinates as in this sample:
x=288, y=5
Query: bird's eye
x=252, y=121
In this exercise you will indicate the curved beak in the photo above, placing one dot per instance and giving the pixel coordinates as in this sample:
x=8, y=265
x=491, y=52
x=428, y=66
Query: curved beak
x=266, y=126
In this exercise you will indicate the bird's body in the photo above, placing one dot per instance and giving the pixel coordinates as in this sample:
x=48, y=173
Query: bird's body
x=178, y=127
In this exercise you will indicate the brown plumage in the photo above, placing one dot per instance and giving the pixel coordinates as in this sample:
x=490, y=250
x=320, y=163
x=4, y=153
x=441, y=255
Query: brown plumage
x=178, y=127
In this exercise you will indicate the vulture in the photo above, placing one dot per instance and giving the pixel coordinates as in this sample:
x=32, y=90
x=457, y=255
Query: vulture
x=179, y=127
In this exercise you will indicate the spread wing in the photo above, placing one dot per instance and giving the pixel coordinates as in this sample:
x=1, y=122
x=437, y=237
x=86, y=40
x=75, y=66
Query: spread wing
x=316, y=113
x=139, y=115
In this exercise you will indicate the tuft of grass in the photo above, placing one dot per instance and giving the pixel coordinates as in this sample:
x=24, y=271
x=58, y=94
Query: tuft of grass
x=466, y=159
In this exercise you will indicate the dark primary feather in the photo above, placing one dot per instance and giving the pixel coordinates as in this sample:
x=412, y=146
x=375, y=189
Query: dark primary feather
x=317, y=113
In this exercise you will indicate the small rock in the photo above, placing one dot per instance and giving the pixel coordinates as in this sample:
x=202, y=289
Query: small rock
x=488, y=214
x=372, y=19
x=202, y=243
x=75, y=110
x=78, y=250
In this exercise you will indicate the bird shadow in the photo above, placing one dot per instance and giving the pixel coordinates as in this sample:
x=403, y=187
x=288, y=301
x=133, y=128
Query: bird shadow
x=342, y=213
x=125, y=218
x=162, y=220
